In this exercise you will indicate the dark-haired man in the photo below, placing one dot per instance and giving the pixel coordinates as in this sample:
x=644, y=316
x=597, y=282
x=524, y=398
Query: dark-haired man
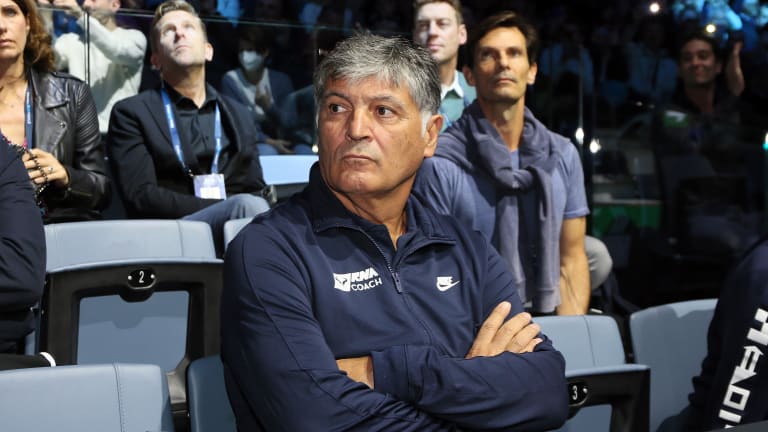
x=504, y=173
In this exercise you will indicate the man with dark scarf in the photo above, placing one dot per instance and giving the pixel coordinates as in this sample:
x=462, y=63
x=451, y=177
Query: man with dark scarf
x=502, y=171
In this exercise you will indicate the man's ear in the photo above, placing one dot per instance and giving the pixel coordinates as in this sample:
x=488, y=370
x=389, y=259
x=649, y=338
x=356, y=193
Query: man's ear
x=434, y=125
x=462, y=34
x=154, y=62
x=208, y=51
x=532, y=70
x=468, y=75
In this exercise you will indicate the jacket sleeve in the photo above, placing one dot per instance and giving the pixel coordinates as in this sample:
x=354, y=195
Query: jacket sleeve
x=88, y=184
x=281, y=364
x=505, y=392
x=134, y=168
x=22, y=242
x=732, y=388
x=283, y=372
x=125, y=47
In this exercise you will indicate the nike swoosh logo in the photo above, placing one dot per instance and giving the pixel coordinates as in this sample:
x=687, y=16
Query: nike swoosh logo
x=447, y=287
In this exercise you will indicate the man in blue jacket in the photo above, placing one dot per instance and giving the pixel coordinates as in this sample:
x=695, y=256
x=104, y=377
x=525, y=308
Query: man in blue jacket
x=353, y=307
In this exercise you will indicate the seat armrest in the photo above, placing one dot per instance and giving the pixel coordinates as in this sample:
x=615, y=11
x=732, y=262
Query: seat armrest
x=625, y=387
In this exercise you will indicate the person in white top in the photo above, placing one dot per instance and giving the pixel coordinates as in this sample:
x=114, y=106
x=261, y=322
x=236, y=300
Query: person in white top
x=116, y=53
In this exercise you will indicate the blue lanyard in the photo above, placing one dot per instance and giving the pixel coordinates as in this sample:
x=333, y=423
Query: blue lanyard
x=177, y=142
x=28, y=117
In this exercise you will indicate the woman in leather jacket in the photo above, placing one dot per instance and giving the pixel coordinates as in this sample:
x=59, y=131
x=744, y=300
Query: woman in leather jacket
x=51, y=118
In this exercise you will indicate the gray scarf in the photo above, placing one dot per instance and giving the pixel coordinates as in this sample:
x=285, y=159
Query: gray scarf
x=475, y=139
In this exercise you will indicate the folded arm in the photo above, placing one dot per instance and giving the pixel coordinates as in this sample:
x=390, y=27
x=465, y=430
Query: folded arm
x=280, y=362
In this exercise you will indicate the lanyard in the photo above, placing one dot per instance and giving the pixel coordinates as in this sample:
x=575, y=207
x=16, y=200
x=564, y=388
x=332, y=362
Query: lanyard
x=175, y=134
x=28, y=118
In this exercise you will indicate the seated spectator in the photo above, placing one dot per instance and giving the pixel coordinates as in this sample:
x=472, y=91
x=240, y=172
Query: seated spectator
x=116, y=54
x=52, y=116
x=183, y=150
x=261, y=89
x=22, y=253
x=359, y=308
x=701, y=127
x=502, y=172
x=438, y=26
x=702, y=100
x=732, y=387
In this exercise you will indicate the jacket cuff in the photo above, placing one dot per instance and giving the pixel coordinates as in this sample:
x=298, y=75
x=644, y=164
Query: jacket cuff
x=390, y=372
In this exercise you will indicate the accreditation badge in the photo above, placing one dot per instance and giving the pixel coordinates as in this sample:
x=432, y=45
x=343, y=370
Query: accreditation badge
x=210, y=186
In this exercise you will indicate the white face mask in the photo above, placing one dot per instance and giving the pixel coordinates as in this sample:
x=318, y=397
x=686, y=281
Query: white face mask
x=251, y=60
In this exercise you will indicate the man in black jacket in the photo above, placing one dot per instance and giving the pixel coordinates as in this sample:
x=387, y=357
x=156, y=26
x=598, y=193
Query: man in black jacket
x=183, y=150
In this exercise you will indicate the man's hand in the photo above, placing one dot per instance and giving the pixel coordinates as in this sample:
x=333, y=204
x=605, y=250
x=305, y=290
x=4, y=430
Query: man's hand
x=359, y=369
x=70, y=7
x=497, y=334
x=43, y=167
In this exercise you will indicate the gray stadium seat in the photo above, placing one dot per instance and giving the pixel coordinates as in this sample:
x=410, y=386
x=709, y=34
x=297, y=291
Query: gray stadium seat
x=138, y=291
x=672, y=340
x=607, y=394
x=92, y=398
x=209, y=409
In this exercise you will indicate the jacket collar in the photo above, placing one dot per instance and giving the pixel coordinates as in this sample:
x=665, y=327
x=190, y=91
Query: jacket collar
x=48, y=92
x=328, y=212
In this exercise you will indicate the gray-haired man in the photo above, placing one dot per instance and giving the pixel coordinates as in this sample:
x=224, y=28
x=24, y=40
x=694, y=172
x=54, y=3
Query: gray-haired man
x=352, y=306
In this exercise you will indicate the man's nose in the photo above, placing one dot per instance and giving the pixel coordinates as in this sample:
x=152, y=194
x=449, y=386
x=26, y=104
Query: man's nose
x=358, y=125
x=433, y=28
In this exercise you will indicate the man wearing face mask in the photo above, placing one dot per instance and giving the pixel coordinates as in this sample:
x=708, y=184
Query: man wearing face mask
x=261, y=89
x=116, y=54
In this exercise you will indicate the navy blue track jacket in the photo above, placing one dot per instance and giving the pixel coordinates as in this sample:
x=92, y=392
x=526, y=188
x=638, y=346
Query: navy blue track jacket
x=309, y=282
x=732, y=388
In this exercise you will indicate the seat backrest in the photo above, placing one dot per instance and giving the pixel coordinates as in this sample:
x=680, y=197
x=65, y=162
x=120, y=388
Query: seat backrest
x=140, y=291
x=209, y=409
x=287, y=173
x=585, y=341
x=76, y=244
x=672, y=340
x=98, y=398
x=232, y=227
x=594, y=357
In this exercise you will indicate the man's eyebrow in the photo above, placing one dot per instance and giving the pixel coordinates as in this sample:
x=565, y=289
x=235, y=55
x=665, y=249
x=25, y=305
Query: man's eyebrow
x=375, y=98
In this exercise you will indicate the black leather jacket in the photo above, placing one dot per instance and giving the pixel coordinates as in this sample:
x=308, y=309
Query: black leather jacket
x=67, y=126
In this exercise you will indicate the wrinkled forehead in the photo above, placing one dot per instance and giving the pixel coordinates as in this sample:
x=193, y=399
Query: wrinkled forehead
x=177, y=18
